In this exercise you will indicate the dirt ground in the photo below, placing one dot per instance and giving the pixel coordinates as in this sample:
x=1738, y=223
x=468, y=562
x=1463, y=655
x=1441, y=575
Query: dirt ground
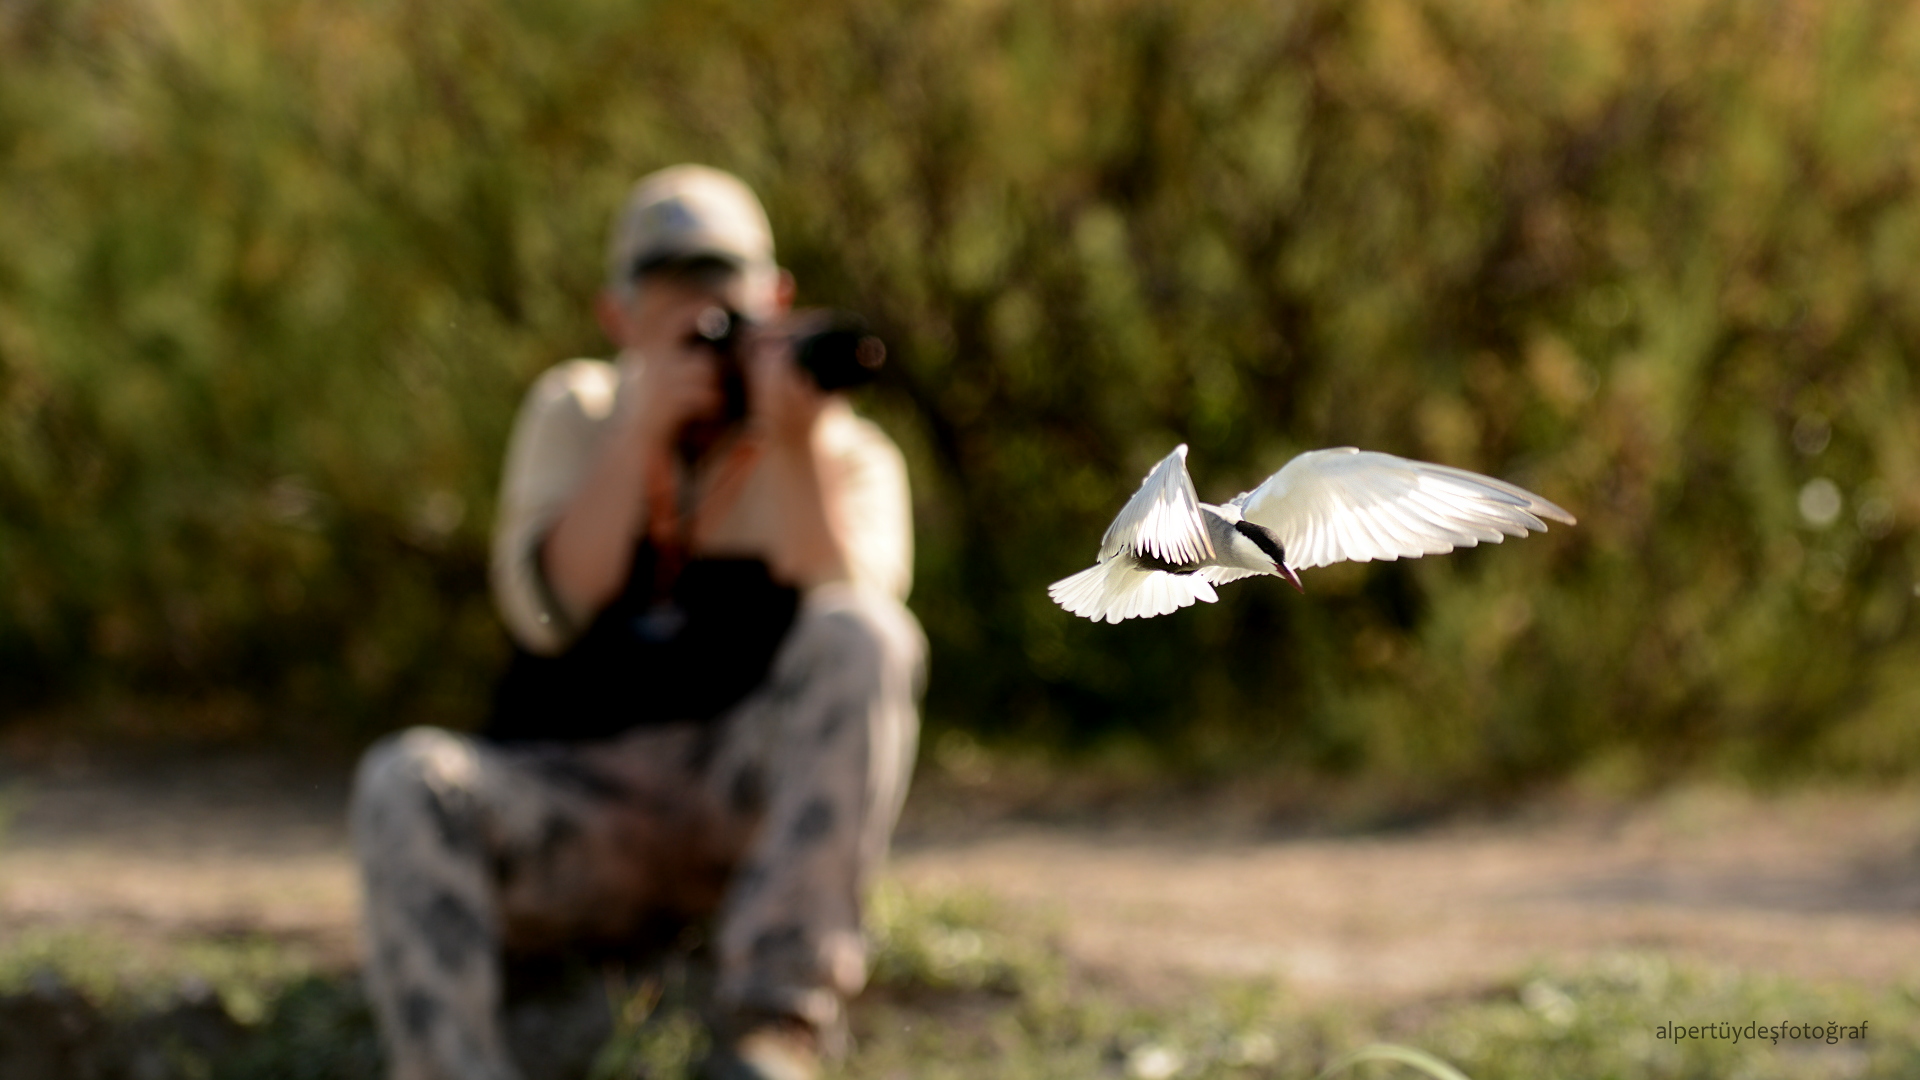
x=1820, y=886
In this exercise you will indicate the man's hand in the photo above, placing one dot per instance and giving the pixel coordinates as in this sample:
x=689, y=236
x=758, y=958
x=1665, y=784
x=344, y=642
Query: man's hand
x=785, y=406
x=674, y=381
x=668, y=386
x=782, y=401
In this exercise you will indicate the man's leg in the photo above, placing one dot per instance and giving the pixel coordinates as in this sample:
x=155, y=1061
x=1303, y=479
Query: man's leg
x=826, y=749
x=431, y=922
x=468, y=849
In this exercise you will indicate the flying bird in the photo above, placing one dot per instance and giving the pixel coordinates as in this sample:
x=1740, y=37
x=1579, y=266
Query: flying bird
x=1168, y=549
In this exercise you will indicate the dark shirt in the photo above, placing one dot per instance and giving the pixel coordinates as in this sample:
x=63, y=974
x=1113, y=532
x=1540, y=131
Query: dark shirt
x=688, y=651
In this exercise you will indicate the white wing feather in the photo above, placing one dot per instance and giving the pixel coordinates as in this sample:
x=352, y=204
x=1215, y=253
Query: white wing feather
x=1114, y=590
x=1163, y=517
x=1329, y=506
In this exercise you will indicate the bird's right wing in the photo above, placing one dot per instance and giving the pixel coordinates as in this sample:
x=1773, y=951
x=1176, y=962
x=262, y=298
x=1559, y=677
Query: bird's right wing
x=1328, y=506
x=1163, y=517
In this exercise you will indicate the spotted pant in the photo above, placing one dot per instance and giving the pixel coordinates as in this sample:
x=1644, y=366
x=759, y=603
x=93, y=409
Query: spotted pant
x=769, y=819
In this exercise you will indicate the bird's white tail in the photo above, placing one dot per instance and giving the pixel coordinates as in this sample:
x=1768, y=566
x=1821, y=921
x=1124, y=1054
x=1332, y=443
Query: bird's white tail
x=1115, y=590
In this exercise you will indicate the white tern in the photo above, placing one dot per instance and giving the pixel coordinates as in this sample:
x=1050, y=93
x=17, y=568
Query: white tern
x=1168, y=549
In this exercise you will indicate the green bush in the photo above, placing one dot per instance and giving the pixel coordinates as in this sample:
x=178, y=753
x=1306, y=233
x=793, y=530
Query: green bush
x=273, y=276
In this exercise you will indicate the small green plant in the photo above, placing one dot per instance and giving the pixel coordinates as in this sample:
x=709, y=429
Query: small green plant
x=951, y=942
x=657, y=1032
x=1401, y=1055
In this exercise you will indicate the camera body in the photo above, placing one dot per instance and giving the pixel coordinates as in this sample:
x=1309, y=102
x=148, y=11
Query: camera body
x=834, y=348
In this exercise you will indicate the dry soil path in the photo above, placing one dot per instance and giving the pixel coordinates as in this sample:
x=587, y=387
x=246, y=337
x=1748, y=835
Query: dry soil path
x=1819, y=886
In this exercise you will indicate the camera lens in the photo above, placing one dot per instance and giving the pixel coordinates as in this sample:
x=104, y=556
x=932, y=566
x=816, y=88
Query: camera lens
x=714, y=324
x=842, y=354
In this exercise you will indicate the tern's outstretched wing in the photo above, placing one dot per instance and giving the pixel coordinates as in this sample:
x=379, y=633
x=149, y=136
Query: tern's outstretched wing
x=1163, y=517
x=1329, y=506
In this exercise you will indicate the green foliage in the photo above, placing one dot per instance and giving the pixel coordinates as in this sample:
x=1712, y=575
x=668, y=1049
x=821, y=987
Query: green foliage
x=273, y=276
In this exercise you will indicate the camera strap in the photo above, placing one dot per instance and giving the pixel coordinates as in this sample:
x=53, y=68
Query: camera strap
x=673, y=528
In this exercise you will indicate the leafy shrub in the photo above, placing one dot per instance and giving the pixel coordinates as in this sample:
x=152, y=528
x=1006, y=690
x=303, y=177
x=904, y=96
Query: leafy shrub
x=273, y=276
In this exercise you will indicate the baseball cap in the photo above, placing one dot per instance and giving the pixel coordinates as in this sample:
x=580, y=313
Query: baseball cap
x=689, y=212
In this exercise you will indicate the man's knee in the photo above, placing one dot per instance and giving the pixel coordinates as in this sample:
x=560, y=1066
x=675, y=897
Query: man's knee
x=855, y=630
x=861, y=662
x=421, y=776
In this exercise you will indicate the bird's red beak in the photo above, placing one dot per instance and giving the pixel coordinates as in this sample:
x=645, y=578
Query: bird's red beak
x=1293, y=579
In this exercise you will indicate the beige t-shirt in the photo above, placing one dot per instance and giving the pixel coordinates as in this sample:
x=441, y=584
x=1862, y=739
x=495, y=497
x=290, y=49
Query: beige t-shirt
x=561, y=423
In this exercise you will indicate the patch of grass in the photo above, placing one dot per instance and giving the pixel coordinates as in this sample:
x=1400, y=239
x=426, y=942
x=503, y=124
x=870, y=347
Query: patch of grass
x=122, y=974
x=1605, y=1020
x=654, y=1036
x=314, y=1028
x=215, y=1008
x=957, y=942
x=962, y=987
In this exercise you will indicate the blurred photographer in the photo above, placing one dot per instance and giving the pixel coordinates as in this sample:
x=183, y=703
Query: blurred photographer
x=712, y=710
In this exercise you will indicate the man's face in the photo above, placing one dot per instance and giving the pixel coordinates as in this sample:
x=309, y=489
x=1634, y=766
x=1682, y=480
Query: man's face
x=660, y=320
x=665, y=308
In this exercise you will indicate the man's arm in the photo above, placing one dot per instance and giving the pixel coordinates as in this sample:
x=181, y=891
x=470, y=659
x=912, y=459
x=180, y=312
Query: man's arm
x=555, y=436
x=586, y=554
x=874, y=508
x=589, y=552
x=841, y=485
x=787, y=410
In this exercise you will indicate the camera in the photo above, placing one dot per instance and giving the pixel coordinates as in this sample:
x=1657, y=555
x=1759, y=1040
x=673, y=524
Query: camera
x=834, y=347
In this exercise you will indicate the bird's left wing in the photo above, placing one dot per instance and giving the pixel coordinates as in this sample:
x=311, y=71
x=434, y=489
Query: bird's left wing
x=1329, y=506
x=1163, y=517
x=1113, y=590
